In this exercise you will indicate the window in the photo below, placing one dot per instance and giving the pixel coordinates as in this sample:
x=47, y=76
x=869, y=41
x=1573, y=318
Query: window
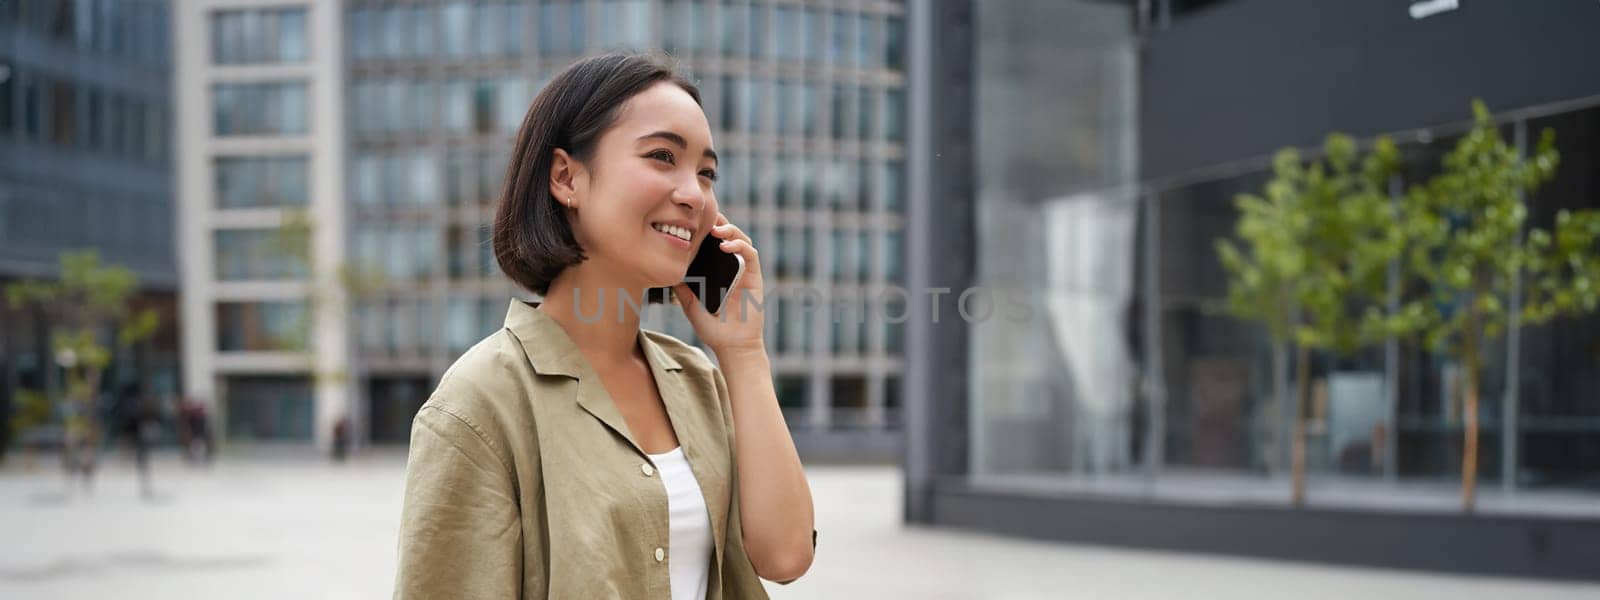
x=683, y=26
x=261, y=326
x=260, y=108
x=629, y=27
x=863, y=255
x=423, y=173
x=421, y=31
x=839, y=183
x=786, y=92
x=810, y=19
x=893, y=186
x=515, y=96
x=894, y=43
x=840, y=109
x=269, y=408
x=457, y=23
x=786, y=37
x=836, y=265
x=458, y=244
x=516, y=18
x=259, y=36
x=839, y=34
x=809, y=104
x=867, y=113
x=752, y=103
x=864, y=54
x=461, y=324
x=456, y=179
x=781, y=175
x=457, y=106
x=894, y=121
x=552, y=15
x=731, y=18
x=891, y=252
x=562, y=27
x=258, y=254
x=489, y=23
x=367, y=180
x=262, y=181
x=362, y=31
x=63, y=113
x=7, y=88
x=730, y=103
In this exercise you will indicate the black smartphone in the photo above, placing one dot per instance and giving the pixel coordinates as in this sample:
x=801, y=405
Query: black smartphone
x=713, y=273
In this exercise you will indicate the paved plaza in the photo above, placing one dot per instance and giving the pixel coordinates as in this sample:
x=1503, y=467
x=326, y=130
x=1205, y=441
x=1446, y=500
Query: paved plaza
x=298, y=526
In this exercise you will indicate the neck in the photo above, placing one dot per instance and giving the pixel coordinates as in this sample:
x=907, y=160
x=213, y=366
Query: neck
x=599, y=315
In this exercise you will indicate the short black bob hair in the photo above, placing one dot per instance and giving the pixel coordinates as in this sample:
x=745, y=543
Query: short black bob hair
x=533, y=240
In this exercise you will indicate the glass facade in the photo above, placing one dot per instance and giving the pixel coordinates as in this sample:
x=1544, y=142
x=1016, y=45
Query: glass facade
x=1127, y=375
x=807, y=111
x=57, y=110
x=85, y=131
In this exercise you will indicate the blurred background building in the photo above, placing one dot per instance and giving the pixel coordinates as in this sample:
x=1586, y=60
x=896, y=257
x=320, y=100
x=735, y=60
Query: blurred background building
x=1111, y=139
x=385, y=128
x=85, y=162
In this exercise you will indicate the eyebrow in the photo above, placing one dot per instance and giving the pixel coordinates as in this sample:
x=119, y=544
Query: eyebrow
x=677, y=139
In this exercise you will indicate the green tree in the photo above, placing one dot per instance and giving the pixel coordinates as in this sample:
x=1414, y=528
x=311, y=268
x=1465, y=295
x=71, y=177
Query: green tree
x=1465, y=229
x=90, y=309
x=1317, y=247
x=294, y=242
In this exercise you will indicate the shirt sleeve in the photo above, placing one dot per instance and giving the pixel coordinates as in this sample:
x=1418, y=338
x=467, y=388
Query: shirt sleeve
x=460, y=535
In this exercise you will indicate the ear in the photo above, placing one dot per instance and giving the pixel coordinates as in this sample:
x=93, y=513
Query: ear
x=565, y=174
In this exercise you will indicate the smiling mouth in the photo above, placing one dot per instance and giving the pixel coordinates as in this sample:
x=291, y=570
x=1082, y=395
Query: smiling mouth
x=673, y=230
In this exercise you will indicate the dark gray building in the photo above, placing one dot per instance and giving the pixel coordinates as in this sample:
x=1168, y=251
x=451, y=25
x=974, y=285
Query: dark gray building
x=85, y=163
x=1085, y=155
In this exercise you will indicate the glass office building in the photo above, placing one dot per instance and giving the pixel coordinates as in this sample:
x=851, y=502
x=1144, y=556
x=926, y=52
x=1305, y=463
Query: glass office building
x=1129, y=407
x=85, y=159
x=807, y=103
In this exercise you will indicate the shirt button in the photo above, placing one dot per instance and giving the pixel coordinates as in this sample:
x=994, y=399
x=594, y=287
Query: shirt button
x=660, y=555
x=647, y=469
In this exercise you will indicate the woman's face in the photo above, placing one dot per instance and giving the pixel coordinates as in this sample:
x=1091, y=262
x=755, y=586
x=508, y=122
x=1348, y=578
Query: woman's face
x=653, y=167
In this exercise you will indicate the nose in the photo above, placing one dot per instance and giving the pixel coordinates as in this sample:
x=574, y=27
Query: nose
x=690, y=196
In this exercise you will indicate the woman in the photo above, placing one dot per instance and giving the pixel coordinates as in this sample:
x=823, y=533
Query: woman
x=572, y=454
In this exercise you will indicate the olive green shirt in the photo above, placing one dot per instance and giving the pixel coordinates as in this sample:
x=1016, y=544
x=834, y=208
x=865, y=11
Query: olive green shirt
x=524, y=482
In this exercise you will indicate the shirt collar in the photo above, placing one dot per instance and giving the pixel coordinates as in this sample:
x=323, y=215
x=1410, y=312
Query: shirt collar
x=553, y=352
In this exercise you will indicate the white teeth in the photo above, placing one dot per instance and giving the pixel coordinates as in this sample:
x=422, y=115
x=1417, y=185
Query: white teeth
x=674, y=230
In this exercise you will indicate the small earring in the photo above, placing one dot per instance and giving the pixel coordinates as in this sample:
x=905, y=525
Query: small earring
x=569, y=201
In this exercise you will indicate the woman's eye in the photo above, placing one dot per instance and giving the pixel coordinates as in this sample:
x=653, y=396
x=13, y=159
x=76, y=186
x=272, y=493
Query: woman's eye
x=661, y=155
x=709, y=174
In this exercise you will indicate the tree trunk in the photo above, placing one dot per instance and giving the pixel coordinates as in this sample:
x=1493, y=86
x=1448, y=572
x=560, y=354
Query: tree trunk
x=1469, y=446
x=1280, y=391
x=1298, y=455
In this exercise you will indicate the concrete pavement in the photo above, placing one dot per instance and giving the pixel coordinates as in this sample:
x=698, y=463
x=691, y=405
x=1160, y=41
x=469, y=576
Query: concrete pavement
x=300, y=527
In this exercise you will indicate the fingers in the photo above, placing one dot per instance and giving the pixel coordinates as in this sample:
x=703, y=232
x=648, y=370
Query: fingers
x=729, y=231
x=741, y=247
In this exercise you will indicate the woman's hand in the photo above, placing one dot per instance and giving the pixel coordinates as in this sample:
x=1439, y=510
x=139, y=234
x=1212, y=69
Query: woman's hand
x=739, y=324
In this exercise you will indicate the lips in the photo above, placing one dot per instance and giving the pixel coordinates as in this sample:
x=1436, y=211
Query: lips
x=677, y=242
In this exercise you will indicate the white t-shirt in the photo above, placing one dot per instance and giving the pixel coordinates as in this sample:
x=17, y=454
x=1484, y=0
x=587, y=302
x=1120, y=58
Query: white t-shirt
x=690, y=542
